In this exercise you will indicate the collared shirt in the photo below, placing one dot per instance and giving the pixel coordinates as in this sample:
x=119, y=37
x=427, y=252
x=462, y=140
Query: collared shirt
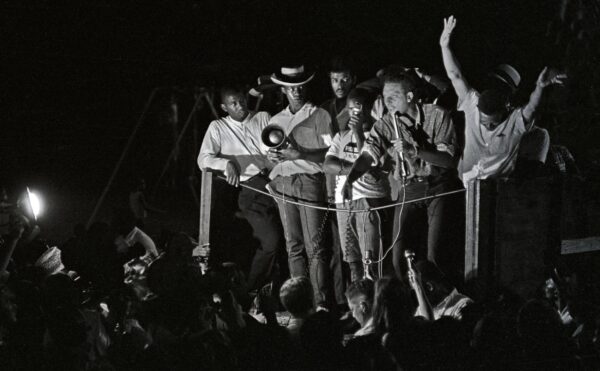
x=373, y=184
x=310, y=130
x=229, y=140
x=433, y=125
x=452, y=306
x=368, y=328
x=489, y=153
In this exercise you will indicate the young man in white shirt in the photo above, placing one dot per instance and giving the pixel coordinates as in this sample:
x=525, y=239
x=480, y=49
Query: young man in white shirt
x=233, y=145
x=360, y=233
x=493, y=130
x=298, y=176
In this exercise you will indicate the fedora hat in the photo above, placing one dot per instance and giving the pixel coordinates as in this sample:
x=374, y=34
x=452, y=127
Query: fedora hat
x=508, y=75
x=292, y=76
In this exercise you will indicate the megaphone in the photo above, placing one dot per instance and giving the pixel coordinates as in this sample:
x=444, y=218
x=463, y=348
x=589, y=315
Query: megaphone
x=273, y=136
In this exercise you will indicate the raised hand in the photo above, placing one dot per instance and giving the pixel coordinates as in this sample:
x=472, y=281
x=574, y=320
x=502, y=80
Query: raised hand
x=550, y=77
x=449, y=24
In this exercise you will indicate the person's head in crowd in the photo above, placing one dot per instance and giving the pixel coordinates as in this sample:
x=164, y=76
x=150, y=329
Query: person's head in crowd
x=399, y=90
x=321, y=338
x=435, y=284
x=296, y=295
x=360, y=300
x=233, y=102
x=538, y=321
x=293, y=81
x=341, y=76
x=542, y=336
x=360, y=103
x=393, y=306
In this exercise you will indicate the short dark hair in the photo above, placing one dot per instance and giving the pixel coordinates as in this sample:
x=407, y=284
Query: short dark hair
x=296, y=295
x=229, y=90
x=492, y=101
x=400, y=75
x=342, y=64
x=430, y=271
x=363, y=287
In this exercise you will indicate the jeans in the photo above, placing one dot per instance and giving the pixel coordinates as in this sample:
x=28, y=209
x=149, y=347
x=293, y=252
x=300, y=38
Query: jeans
x=304, y=228
x=359, y=233
x=261, y=212
x=436, y=219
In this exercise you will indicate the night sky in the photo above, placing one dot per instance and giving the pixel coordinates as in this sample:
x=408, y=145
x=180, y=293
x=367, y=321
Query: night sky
x=78, y=74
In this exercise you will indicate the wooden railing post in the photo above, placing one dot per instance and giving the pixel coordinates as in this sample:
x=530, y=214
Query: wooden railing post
x=202, y=252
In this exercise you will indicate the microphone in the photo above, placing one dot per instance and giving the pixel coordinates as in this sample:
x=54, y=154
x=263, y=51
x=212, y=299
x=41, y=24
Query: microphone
x=401, y=172
x=410, y=259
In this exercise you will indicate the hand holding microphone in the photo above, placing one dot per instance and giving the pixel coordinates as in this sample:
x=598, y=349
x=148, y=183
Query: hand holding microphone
x=400, y=172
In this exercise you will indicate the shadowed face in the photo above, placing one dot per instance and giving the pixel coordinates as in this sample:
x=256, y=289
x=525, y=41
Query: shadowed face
x=235, y=105
x=296, y=95
x=359, y=309
x=396, y=98
x=341, y=83
x=357, y=109
x=492, y=121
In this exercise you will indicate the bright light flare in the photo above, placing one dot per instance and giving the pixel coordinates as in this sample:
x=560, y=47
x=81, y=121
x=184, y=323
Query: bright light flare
x=34, y=203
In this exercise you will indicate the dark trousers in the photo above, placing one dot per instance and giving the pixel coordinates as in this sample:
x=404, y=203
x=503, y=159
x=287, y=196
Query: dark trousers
x=261, y=212
x=436, y=219
x=304, y=229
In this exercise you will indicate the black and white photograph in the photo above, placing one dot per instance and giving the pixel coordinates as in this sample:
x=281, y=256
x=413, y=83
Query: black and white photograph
x=262, y=185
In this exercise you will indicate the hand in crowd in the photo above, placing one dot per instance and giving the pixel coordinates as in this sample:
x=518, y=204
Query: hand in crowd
x=550, y=77
x=449, y=24
x=232, y=174
x=355, y=123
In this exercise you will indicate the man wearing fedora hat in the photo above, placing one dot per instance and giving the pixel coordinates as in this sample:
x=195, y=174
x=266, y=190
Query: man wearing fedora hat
x=298, y=175
x=493, y=129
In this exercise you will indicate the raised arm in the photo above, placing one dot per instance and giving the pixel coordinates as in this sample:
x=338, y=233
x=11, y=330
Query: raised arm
x=461, y=87
x=544, y=79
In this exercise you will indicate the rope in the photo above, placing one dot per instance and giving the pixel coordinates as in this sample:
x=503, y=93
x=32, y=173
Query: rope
x=349, y=210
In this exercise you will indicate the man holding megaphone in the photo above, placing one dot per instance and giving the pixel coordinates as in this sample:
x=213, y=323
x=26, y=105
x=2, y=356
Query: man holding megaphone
x=298, y=176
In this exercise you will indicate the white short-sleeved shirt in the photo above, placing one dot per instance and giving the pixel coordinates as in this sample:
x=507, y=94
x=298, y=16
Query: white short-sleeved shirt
x=374, y=184
x=229, y=140
x=489, y=153
x=309, y=129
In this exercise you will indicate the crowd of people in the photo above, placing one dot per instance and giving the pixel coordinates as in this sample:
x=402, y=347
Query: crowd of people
x=112, y=297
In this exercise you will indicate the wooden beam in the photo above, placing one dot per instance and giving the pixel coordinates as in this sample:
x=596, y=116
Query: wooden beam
x=580, y=245
x=202, y=252
x=472, y=229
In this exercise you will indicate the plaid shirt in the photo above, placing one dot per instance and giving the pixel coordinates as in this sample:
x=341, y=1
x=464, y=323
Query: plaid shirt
x=433, y=129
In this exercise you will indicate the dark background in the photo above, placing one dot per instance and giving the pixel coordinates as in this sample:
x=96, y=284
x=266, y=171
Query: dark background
x=78, y=74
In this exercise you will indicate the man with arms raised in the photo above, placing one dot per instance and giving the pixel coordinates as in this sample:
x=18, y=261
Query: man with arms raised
x=493, y=130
